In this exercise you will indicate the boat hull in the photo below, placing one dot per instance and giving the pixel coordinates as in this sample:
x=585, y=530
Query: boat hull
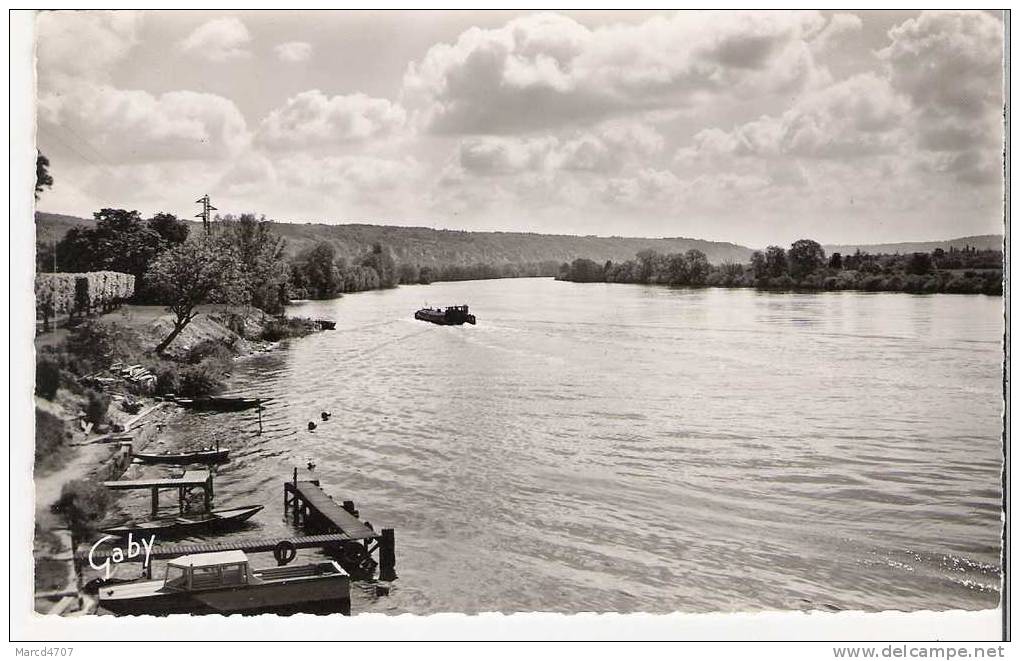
x=218, y=403
x=442, y=319
x=315, y=595
x=182, y=458
x=179, y=526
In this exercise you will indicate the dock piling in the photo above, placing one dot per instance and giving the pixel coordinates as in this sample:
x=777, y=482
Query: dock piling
x=387, y=556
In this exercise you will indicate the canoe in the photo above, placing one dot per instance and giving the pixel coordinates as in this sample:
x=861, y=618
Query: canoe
x=187, y=524
x=211, y=456
x=218, y=403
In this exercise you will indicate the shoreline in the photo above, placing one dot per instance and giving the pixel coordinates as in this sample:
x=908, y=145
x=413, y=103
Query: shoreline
x=96, y=456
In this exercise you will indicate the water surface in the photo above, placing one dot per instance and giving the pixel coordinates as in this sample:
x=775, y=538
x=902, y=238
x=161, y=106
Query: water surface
x=600, y=447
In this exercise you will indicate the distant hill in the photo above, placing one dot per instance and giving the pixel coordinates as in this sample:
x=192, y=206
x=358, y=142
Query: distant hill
x=981, y=242
x=53, y=226
x=425, y=246
x=429, y=247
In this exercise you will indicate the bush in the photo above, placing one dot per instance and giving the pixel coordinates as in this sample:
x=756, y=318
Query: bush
x=208, y=349
x=82, y=504
x=96, y=407
x=198, y=380
x=189, y=380
x=167, y=380
x=50, y=436
x=281, y=329
x=47, y=378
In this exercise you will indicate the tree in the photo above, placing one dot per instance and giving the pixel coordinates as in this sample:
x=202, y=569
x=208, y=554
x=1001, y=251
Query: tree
x=775, y=261
x=408, y=273
x=698, y=267
x=43, y=179
x=676, y=269
x=318, y=267
x=262, y=260
x=171, y=229
x=202, y=270
x=647, y=259
x=585, y=270
x=836, y=261
x=758, y=265
x=919, y=263
x=381, y=260
x=805, y=257
x=120, y=241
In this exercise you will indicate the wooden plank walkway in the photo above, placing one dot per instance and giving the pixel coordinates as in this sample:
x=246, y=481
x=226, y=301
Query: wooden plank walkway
x=313, y=497
x=248, y=545
x=192, y=478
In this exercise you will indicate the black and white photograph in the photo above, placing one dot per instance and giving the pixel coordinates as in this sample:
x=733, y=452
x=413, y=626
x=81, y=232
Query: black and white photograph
x=559, y=311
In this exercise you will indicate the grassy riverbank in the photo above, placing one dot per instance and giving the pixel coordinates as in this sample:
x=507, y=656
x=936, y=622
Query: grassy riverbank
x=103, y=378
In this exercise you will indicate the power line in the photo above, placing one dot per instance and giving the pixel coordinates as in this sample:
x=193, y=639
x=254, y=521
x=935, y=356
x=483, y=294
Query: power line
x=204, y=215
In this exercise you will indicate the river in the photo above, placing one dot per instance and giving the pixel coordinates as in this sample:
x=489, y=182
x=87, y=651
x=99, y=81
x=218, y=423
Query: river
x=601, y=447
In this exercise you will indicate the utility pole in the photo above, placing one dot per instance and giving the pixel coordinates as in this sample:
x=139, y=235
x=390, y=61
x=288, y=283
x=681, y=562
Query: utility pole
x=206, y=208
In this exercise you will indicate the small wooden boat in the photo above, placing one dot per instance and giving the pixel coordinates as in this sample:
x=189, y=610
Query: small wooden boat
x=206, y=456
x=225, y=583
x=455, y=315
x=188, y=524
x=325, y=324
x=218, y=403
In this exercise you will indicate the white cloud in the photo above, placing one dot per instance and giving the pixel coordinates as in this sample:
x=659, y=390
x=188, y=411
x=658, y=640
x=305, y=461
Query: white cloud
x=83, y=43
x=548, y=70
x=857, y=117
x=950, y=65
x=218, y=40
x=604, y=148
x=136, y=126
x=312, y=119
x=294, y=51
x=839, y=27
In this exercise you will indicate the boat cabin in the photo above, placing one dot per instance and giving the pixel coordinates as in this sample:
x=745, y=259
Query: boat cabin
x=207, y=571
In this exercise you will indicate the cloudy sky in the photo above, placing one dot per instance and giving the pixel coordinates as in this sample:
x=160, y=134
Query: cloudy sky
x=752, y=128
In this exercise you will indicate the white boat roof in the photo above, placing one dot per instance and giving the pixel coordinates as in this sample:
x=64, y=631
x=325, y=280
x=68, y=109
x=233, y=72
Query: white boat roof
x=210, y=559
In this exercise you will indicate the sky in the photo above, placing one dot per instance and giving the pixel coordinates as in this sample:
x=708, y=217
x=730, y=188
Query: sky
x=753, y=128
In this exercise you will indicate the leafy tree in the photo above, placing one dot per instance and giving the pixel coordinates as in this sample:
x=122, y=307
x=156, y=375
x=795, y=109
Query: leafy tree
x=171, y=229
x=647, y=260
x=382, y=262
x=120, y=241
x=261, y=258
x=676, y=271
x=408, y=273
x=805, y=257
x=919, y=263
x=585, y=270
x=203, y=270
x=836, y=261
x=775, y=261
x=43, y=179
x=321, y=276
x=698, y=267
x=759, y=265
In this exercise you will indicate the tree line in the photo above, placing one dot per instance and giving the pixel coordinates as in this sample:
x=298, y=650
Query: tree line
x=804, y=265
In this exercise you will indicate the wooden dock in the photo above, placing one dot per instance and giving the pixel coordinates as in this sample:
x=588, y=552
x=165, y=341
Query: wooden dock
x=316, y=511
x=192, y=479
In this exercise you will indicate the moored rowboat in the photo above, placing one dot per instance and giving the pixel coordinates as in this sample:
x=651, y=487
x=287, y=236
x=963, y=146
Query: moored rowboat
x=218, y=403
x=187, y=524
x=210, y=456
